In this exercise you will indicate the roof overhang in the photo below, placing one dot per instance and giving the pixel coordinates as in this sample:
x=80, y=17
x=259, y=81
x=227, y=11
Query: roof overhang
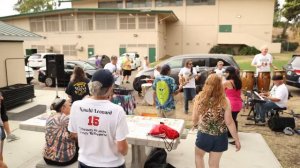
x=167, y=15
x=13, y=33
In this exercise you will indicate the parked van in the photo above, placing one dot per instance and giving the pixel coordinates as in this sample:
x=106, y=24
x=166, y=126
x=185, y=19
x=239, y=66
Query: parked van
x=135, y=58
x=38, y=60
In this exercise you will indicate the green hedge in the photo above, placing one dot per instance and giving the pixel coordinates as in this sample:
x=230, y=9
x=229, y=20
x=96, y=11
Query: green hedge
x=246, y=50
x=289, y=46
x=218, y=49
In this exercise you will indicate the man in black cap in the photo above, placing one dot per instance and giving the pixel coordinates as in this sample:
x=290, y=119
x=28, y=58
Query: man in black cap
x=100, y=125
x=277, y=98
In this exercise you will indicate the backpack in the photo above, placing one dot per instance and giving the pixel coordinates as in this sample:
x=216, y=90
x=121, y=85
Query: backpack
x=157, y=159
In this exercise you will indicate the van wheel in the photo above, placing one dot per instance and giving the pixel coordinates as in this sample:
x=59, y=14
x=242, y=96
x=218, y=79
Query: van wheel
x=49, y=82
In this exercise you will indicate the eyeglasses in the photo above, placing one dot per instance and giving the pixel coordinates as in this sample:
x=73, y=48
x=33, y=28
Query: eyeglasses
x=190, y=63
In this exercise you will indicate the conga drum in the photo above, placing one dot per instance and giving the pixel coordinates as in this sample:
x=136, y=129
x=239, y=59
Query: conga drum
x=263, y=81
x=247, y=80
x=280, y=72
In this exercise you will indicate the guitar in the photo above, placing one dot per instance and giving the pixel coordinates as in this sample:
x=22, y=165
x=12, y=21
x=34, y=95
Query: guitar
x=183, y=80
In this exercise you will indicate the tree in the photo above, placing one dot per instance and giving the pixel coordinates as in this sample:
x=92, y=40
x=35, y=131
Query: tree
x=291, y=11
x=29, y=6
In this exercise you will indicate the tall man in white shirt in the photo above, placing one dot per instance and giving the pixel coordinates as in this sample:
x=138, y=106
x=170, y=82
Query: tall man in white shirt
x=100, y=125
x=263, y=61
x=277, y=98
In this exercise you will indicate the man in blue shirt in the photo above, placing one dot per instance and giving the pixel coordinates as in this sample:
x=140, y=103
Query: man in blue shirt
x=164, y=88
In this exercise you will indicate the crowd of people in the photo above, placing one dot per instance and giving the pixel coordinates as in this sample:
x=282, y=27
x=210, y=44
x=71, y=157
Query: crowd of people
x=89, y=117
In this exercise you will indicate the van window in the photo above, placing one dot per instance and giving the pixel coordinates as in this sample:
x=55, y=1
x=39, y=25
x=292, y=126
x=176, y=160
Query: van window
x=213, y=62
x=175, y=63
x=198, y=62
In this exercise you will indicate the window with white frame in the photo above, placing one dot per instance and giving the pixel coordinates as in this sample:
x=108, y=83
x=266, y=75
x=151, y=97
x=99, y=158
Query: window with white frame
x=138, y=3
x=159, y=3
x=69, y=50
x=106, y=22
x=111, y=4
x=39, y=48
x=127, y=22
x=146, y=22
x=52, y=23
x=85, y=22
x=200, y=2
x=36, y=24
x=67, y=23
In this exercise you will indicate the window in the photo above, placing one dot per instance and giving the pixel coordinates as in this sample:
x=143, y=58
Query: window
x=69, y=50
x=159, y=3
x=36, y=24
x=146, y=22
x=85, y=22
x=127, y=22
x=213, y=62
x=138, y=3
x=51, y=24
x=40, y=48
x=225, y=28
x=200, y=2
x=106, y=22
x=175, y=63
x=198, y=62
x=111, y=4
x=67, y=23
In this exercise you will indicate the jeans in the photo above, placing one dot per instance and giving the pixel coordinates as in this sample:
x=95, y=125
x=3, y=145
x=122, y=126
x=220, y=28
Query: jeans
x=262, y=108
x=189, y=94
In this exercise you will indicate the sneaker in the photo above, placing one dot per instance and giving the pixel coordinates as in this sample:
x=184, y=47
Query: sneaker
x=288, y=131
x=261, y=123
x=12, y=137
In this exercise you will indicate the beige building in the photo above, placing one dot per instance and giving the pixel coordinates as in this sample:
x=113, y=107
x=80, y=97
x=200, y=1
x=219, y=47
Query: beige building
x=12, y=54
x=150, y=27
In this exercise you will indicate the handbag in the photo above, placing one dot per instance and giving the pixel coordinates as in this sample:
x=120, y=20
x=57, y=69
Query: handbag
x=165, y=132
x=278, y=124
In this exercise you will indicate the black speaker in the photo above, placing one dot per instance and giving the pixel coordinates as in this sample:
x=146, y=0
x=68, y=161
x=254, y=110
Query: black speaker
x=278, y=124
x=55, y=65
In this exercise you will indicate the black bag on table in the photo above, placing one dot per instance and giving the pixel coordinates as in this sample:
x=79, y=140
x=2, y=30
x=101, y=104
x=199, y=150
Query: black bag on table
x=278, y=124
x=157, y=159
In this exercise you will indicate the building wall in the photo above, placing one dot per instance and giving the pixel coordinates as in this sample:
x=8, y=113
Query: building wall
x=15, y=67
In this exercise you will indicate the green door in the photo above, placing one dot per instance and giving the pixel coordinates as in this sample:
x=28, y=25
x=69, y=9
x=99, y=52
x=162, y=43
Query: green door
x=91, y=52
x=152, y=54
x=122, y=51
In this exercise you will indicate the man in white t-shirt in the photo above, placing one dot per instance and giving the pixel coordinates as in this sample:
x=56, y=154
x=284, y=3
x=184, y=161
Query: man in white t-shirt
x=100, y=125
x=188, y=74
x=277, y=98
x=114, y=69
x=263, y=61
x=220, y=69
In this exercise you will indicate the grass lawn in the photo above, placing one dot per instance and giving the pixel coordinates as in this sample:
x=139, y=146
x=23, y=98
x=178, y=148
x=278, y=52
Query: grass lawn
x=279, y=60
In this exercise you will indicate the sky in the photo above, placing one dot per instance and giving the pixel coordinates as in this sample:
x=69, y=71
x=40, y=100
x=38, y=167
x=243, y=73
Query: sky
x=6, y=7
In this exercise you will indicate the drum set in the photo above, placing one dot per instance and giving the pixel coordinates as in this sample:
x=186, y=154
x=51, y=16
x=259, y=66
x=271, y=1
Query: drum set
x=262, y=83
x=147, y=91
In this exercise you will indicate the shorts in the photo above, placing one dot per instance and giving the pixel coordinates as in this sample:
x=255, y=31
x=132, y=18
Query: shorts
x=126, y=72
x=212, y=143
x=2, y=133
x=166, y=114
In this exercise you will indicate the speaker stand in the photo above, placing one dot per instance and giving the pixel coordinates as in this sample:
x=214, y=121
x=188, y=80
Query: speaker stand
x=56, y=88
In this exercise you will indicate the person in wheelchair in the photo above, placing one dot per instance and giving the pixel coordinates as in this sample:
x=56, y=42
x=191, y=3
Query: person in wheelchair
x=276, y=98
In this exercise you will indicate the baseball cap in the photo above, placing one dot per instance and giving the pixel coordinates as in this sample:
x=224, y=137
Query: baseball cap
x=104, y=76
x=57, y=104
x=277, y=77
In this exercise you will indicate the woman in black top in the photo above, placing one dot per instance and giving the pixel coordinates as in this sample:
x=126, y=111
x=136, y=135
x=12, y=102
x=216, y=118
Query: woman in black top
x=78, y=86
